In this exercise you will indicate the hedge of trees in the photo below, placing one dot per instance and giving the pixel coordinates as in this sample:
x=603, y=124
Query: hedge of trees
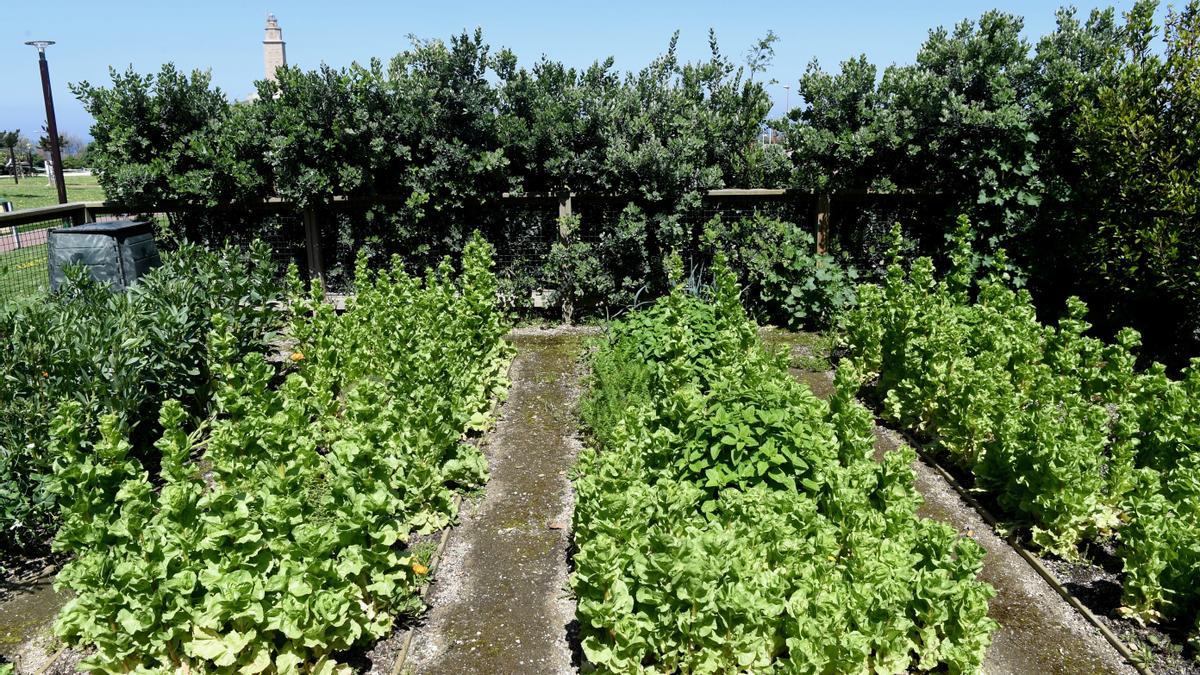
x=1079, y=152
x=445, y=124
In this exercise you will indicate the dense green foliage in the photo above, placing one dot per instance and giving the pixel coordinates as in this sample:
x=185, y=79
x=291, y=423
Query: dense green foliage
x=1063, y=429
x=728, y=520
x=278, y=537
x=120, y=354
x=1078, y=152
x=785, y=280
x=446, y=125
x=439, y=134
x=169, y=137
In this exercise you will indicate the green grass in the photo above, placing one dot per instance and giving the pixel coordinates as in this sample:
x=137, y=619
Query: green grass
x=23, y=273
x=33, y=191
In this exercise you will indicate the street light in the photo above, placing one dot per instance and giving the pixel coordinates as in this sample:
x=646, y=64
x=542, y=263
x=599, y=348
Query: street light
x=51, y=125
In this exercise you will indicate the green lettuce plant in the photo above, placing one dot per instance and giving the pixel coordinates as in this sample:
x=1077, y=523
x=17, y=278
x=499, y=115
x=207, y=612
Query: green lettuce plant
x=727, y=520
x=277, y=539
x=1072, y=439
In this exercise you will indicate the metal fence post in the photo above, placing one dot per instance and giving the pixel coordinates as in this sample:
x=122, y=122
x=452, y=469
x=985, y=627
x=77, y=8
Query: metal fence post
x=312, y=245
x=823, y=222
x=565, y=230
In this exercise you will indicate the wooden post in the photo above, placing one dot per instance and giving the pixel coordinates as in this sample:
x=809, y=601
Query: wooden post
x=823, y=222
x=564, y=212
x=564, y=235
x=83, y=215
x=312, y=245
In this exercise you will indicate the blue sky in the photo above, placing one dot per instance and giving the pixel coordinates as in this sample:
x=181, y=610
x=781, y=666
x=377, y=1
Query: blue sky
x=225, y=36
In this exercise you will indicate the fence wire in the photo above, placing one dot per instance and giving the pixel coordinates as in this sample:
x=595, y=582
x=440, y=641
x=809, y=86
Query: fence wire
x=24, y=261
x=282, y=231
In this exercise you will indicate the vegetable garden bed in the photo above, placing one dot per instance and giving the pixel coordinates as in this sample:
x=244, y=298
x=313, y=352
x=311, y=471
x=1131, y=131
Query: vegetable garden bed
x=1092, y=459
x=274, y=534
x=728, y=517
x=728, y=520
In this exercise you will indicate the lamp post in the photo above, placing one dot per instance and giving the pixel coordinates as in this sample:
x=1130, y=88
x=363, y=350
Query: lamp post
x=51, y=125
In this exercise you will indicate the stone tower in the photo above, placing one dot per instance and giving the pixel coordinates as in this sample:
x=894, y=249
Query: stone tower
x=274, y=53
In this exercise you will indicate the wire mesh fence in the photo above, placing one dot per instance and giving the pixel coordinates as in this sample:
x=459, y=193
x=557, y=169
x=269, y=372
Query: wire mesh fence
x=23, y=256
x=280, y=228
x=860, y=226
x=521, y=232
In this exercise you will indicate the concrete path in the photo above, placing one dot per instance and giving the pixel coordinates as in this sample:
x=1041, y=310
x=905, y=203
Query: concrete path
x=28, y=605
x=500, y=602
x=1039, y=633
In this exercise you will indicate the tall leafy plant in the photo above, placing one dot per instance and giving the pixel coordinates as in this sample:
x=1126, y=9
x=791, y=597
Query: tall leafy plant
x=1072, y=439
x=279, y=537
x=119, y=354
x=728, y=520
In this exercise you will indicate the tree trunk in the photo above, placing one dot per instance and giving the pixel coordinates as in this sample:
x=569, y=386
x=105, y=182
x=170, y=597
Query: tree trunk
x=12, y=157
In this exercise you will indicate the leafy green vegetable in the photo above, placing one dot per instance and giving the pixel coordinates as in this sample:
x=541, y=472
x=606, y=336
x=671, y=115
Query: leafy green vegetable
x=729, y=521
x=278, y=537
x=1063, y=429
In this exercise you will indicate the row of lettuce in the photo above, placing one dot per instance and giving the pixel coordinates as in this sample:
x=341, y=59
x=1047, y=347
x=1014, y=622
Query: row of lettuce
x=728, y=520
x=266, y=527
x=1067, y=434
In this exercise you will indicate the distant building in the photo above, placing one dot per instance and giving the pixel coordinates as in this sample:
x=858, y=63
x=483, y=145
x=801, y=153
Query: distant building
x=274, y=48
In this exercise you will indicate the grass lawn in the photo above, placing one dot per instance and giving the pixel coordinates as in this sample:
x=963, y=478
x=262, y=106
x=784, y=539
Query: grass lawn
x=33, y=191
x=23, y=273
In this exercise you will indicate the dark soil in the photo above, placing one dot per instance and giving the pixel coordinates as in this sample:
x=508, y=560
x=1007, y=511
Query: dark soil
x=1096, y=581
x=20, y=573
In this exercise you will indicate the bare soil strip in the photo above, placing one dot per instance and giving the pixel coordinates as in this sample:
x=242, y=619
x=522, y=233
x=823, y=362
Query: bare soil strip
x=1040, y=632
x=500, y=602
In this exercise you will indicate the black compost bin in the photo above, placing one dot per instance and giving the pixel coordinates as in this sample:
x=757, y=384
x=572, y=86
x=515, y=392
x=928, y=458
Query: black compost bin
x=116, y=253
